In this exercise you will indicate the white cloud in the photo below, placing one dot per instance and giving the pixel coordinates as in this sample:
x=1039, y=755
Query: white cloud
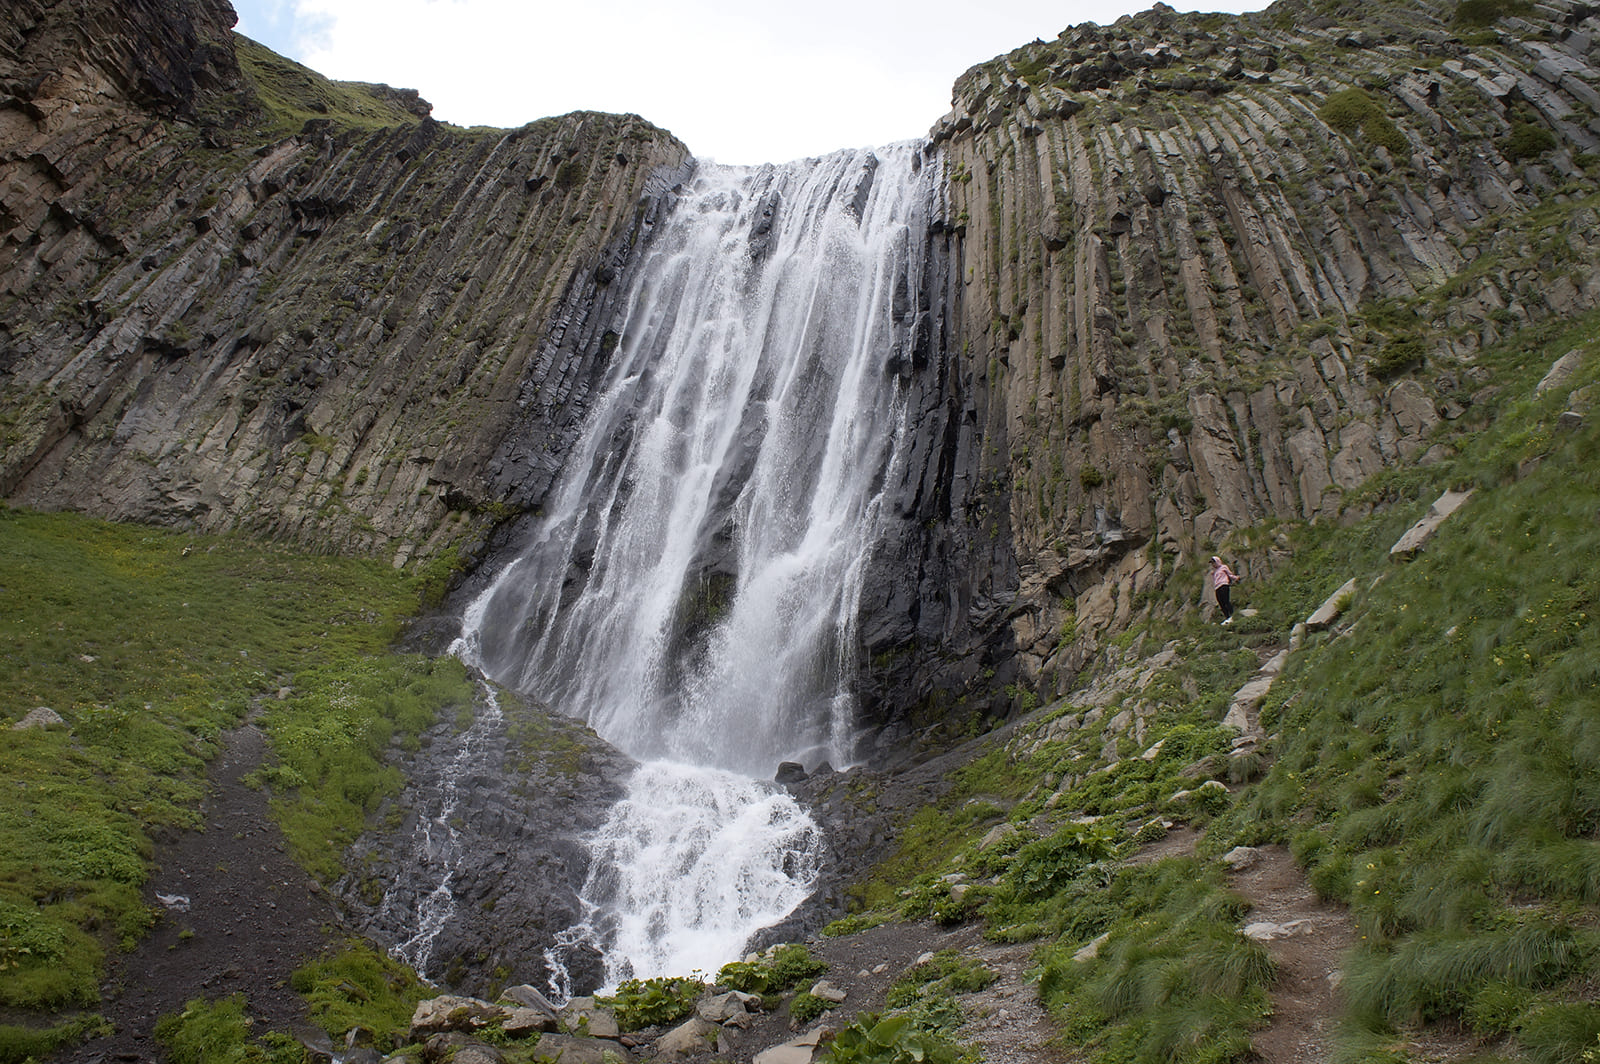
x=739, y=82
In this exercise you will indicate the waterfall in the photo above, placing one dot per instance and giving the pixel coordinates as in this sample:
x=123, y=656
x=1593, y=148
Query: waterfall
x=692, y=589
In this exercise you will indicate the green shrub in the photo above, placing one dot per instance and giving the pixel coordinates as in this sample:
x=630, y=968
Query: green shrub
x=20, y=1045
x=1526, y=140
x=1480, y=13
x=361, y=987
x=787, y=966
x=569, y=175
x=642, y=1003
x=1042, y=867
x=218, y=1033
x=806, y=1007
x=895, y=1040
x=1398, y=355
x=1355, y=110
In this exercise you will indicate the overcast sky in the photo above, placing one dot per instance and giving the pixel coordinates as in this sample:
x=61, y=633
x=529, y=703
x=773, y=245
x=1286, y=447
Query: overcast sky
x=739, y=82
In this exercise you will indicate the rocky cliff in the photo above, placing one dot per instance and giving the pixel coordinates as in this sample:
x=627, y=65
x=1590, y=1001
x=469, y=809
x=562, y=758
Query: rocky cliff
x=326, y=336
x=1194, y=273
x=1214, y=271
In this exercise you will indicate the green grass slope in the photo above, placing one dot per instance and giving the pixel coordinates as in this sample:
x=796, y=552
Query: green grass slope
x=1433, y=763
x=293, y=95
x=149, y=644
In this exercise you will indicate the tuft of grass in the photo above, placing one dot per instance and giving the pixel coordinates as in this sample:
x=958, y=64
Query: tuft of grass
x=358, y=987
x=1355, y=110
x=1175, y=980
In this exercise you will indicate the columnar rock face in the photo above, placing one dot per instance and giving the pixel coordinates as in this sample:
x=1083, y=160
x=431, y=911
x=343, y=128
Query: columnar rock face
x=328, y=337
x=1217, y=269
x=1194, y=271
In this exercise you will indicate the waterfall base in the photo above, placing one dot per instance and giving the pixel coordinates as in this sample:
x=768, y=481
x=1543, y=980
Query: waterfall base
x=534, y=788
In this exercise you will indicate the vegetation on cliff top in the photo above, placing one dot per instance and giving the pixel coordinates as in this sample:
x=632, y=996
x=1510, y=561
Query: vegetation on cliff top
x=293, y=95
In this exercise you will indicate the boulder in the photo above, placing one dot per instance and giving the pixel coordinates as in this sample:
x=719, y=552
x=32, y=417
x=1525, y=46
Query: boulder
x=731, y=1009
x=1242, y=858
x=458, y=1048
x=1561, y=371
x=828, y=992
x=582, y=1014
x=1417, y=536
x=801, y=1050
x=1092, y=950
x=1266, y=931
x=39, y=717
x=521, y=1021
x=528, y=996
x=690, y=1038
x=1246, y=700
x=575, y=1049
x=450, y=1012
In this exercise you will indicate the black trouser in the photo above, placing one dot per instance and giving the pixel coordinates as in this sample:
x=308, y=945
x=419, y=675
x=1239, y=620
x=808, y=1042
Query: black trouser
x=1225, y=600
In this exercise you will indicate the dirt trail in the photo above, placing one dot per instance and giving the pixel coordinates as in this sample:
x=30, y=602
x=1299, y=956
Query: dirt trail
x=250, y=916
x=1310, y=939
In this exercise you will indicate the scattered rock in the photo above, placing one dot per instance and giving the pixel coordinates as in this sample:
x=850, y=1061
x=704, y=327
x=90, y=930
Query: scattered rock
x=1241, y=858
x=451, y=1012
x=573, y=1049
x=1092, y=950
x=1561, y=371
x=731, y=1009
x=828, y=992
x=1417, y=536
x=689, y=1038
x=1266, y=931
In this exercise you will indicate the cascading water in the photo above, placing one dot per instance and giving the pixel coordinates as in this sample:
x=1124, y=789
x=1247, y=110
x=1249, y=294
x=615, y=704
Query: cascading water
x=692, y=591
x=436, y=846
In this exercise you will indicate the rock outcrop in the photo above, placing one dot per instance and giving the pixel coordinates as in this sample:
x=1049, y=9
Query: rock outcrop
x=516, y=794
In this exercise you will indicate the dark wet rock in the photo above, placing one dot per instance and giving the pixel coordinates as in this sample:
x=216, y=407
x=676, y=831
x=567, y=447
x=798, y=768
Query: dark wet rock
x=540, y=784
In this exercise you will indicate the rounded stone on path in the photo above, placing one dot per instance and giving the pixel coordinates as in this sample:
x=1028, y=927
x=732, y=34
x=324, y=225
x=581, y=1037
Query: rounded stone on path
x=1241, y=858
x=1266, y=931
x=828, y=992
x=1092, y=950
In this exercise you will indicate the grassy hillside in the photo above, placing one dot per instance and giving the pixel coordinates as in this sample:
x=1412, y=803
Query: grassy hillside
x=149, y=644
x=1431, y=762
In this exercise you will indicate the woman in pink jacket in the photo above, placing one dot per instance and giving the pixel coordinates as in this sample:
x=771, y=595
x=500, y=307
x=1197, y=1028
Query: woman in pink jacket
x=1221, y=579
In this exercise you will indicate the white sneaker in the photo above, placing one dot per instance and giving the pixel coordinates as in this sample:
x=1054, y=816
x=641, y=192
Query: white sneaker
x=1227, y=620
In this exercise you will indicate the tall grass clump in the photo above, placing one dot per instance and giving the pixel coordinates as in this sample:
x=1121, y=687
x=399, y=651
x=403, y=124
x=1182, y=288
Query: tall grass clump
x=1173, y=980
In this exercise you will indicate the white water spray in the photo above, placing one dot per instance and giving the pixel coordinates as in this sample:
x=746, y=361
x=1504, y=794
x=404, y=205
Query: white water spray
x=693, y=589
